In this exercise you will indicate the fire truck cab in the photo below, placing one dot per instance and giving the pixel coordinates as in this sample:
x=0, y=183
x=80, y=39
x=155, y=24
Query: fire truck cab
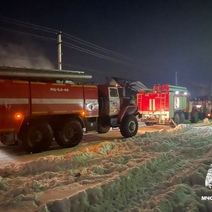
x=116, y=110
x=37, y=106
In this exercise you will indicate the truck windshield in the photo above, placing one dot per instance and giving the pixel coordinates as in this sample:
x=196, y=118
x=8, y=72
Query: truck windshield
x=113, y=92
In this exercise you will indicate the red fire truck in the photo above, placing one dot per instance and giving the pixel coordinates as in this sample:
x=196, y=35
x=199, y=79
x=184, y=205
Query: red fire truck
x=37, y=106
x=165, y=104
x=204, y=107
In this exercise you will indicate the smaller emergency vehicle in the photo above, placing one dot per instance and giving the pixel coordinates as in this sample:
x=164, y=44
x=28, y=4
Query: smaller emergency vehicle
x=165, y=104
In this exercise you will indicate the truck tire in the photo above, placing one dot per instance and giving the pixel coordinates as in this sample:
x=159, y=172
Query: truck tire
x=103, y=124
x=177, y=118
x=129, y=126
x=182, y=118
x=70, y=134
x=36, y=136
x=195, y=117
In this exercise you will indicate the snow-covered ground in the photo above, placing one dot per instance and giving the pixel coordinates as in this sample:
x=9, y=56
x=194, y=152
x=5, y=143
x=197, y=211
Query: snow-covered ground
x=155, y=171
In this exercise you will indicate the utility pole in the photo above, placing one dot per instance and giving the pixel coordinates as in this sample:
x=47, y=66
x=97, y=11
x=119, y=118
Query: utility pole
x=176, y=78
x=59, y=40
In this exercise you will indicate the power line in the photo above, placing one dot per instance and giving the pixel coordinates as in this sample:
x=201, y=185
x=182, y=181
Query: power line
x=119, y=58
x=97, y=54
x=30, y=34
x=30, y=25
x=78, y=40
x=66, y=35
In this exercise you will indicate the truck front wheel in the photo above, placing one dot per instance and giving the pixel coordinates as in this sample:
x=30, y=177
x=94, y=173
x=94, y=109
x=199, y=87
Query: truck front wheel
x=36, y=136
x=70, y=134
x=129, y=126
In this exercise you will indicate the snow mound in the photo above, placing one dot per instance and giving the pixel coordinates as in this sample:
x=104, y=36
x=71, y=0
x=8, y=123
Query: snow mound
x=155, y=171
x=206, y=121
x=183, y=127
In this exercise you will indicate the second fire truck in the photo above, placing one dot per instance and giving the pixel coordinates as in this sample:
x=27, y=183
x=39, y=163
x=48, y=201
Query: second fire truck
x=165, y=104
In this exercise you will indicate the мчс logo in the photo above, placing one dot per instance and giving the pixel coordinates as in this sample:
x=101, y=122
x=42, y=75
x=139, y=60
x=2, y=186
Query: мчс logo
x=208, y=179
x=208, y=183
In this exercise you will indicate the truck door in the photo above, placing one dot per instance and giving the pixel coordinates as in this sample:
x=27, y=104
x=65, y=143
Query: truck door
x=114, y=101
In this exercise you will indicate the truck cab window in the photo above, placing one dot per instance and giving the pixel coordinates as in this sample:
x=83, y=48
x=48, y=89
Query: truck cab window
x=113, y=92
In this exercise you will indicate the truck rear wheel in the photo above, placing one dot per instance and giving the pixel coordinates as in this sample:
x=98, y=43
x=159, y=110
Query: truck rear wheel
x=129, y=126
x=103, y=124
x=70, y=134
x=36, y=136
x=195, y=118
x=182, y=118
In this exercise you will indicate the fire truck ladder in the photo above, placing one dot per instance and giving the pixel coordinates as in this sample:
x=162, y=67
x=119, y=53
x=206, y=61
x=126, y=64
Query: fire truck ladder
x=162, y=108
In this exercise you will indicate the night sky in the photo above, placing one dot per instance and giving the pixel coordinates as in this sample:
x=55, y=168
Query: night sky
x=152, y=39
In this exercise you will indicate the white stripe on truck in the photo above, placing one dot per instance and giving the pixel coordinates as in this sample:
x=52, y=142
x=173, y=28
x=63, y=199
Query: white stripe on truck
x=14, y=101
x=17, y=101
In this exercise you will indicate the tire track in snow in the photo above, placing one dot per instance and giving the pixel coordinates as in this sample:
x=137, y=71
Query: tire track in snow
x=148, y=172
